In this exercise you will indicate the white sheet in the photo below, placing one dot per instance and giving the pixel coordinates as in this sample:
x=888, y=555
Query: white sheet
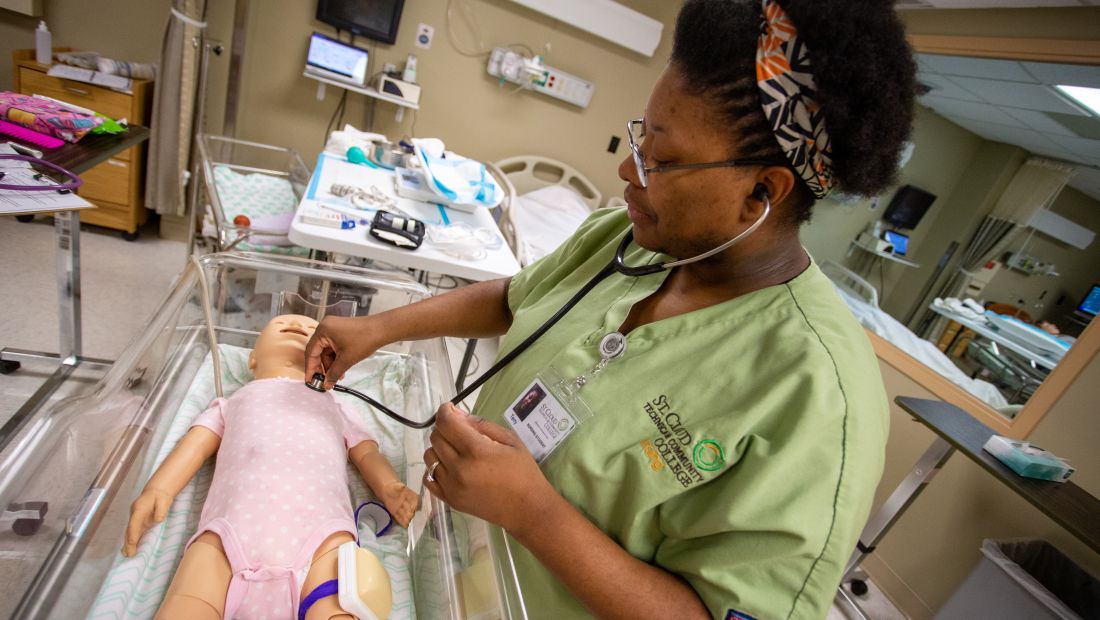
x=923, y=351
x=545, y=218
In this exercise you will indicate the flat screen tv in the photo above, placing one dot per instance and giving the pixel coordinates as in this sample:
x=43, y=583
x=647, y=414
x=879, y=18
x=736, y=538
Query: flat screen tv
x=908, y=207
x=374, y=19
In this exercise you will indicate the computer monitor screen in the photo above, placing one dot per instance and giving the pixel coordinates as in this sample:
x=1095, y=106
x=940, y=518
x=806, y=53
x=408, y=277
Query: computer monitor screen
x=337, y=59
x=1090, y=305
x=374, y=19
x=908, y=207
x=899, y=241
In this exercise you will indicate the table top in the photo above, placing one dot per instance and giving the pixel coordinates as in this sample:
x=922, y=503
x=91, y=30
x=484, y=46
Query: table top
x=1041, y=357
x=498, y=262
x=1064, y=502
x=78, y=158
x=92, y=150
x=890, y=256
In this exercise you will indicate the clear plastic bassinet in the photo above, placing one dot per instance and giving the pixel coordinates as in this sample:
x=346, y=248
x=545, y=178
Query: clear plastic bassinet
x=87, y=457
x=262, y=182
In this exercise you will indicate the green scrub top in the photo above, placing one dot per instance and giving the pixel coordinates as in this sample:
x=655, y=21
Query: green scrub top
x=737, y=446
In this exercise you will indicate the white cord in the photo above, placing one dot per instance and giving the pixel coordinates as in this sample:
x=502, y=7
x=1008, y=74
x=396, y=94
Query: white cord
x=207, y=311
x=190, y=21
x=473, y=30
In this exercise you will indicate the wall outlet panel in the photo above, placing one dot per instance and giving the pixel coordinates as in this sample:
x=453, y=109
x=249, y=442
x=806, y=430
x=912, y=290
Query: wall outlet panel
x=511, y=66
x=565, y=86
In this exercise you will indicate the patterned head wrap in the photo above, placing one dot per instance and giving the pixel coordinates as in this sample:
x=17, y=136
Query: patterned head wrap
x=787, y=90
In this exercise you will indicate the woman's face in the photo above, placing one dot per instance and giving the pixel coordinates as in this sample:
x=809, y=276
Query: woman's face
x=685, y=212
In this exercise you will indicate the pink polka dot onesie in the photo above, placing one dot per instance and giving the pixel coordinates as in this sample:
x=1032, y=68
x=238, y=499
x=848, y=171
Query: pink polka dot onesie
x=280, y=489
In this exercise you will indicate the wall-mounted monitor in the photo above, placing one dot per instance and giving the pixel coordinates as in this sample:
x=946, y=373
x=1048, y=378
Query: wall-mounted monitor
x=374, y=19
x=1090, y=305
x=908, y=207
x=336, y=60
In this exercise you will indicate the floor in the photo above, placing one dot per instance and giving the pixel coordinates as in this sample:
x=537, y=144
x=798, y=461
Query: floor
x=122, y=284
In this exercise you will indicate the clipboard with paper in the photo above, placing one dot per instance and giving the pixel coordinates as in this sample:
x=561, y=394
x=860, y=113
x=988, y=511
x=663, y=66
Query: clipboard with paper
x=29, y=185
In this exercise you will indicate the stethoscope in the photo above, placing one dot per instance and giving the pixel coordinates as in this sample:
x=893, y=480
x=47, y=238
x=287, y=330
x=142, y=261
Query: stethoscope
x=617, y=265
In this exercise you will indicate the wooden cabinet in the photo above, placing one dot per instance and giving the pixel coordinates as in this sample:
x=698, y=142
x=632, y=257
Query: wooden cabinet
x=117, y=186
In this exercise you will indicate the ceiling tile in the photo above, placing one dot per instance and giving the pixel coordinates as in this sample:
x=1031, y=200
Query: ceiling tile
x=1087, y=181
x=1081, y=146
x=977, y=67
x=971, y=110
x=1016, y=95
x=1071, y=75
x=943, y=87
x=1039, y=121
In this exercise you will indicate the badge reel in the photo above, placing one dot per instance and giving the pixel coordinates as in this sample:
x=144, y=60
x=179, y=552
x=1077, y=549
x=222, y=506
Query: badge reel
x=551, y=408
x=404, y=232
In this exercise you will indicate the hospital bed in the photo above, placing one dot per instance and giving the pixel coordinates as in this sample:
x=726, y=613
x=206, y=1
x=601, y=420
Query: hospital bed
x=259, y=181
x=862, y=298
x=89, y=456
x=548, y=200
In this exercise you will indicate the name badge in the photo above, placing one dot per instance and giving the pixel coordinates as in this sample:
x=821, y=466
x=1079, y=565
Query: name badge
x=540, y=420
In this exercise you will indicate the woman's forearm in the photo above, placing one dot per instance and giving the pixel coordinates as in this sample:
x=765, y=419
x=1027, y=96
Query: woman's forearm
x=610, y=582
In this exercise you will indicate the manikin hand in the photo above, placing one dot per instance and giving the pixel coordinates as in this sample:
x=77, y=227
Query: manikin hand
x=400, y=501
x=150, y=508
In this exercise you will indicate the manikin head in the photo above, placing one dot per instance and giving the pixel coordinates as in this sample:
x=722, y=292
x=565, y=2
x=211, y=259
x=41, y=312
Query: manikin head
x=280, y=348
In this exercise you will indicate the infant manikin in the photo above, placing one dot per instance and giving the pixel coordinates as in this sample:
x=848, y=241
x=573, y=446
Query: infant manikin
x=278, y=506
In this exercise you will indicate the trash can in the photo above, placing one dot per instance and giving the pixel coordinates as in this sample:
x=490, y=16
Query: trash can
x=1018, y=579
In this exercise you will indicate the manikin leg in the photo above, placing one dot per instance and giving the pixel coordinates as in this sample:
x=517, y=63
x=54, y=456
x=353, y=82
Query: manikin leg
x=198, y=590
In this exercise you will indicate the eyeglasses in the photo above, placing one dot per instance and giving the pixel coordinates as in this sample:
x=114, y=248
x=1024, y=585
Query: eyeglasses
x=637, y=127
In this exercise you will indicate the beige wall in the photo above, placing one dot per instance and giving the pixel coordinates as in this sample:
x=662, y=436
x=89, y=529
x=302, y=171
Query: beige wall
x=460, y=103
x=1078, y=269
x=964, y=171
x=129, y=32
x=957, y=219
x=1036, y=23
x=942, y=154
x=934, y=545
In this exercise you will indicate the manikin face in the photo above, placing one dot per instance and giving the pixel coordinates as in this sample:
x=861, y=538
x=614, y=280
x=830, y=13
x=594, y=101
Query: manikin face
x=280, y=347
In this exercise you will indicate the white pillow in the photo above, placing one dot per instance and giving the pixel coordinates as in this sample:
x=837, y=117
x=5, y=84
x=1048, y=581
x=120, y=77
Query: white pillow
x=545, y=218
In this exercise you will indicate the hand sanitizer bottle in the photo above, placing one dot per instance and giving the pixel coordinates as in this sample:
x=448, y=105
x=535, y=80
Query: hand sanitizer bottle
x=43, y=51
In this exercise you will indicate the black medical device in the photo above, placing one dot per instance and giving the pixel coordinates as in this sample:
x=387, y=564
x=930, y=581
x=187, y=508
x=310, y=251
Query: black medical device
x=617, y=264
x=404, y=232
x=374, y=19
x=907, y=207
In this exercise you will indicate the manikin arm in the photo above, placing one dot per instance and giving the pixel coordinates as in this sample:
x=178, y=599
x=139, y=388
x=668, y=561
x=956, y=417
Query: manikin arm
x=199, y=444
x=383, y=481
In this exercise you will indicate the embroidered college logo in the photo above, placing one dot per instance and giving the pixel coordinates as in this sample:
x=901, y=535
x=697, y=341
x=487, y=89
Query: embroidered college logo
x=708, y=455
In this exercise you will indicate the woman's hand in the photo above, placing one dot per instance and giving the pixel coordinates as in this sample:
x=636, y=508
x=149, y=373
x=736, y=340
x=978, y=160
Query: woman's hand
x=485, y=470
x=337, y=344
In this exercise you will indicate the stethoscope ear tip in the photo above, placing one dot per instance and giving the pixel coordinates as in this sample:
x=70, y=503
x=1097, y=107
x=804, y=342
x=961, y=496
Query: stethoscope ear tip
x=317, y=383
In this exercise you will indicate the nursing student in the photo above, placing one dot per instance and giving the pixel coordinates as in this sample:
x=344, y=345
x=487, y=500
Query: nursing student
x=703, y=441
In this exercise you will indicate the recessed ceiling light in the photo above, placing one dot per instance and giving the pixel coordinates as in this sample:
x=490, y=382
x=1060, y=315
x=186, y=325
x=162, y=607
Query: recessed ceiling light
x=1087, y=97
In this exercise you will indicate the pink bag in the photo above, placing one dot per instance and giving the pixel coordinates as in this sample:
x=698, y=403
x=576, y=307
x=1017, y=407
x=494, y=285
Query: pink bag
x=45, y=116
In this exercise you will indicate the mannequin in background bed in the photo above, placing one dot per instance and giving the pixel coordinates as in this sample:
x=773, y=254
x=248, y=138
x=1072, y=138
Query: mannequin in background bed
x=278, y=506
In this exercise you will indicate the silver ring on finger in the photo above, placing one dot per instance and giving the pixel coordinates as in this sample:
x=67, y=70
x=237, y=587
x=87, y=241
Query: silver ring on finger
x=431, y=471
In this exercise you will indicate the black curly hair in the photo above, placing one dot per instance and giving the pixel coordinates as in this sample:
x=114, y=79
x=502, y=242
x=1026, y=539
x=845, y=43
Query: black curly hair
x=863, y=70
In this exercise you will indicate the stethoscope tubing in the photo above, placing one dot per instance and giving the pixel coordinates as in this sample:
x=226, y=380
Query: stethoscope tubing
x=74, y=181
x=616, y=265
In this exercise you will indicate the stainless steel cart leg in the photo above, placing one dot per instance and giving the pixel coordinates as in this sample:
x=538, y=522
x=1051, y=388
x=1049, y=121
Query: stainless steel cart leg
x=67, y=230
x=927, y=466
